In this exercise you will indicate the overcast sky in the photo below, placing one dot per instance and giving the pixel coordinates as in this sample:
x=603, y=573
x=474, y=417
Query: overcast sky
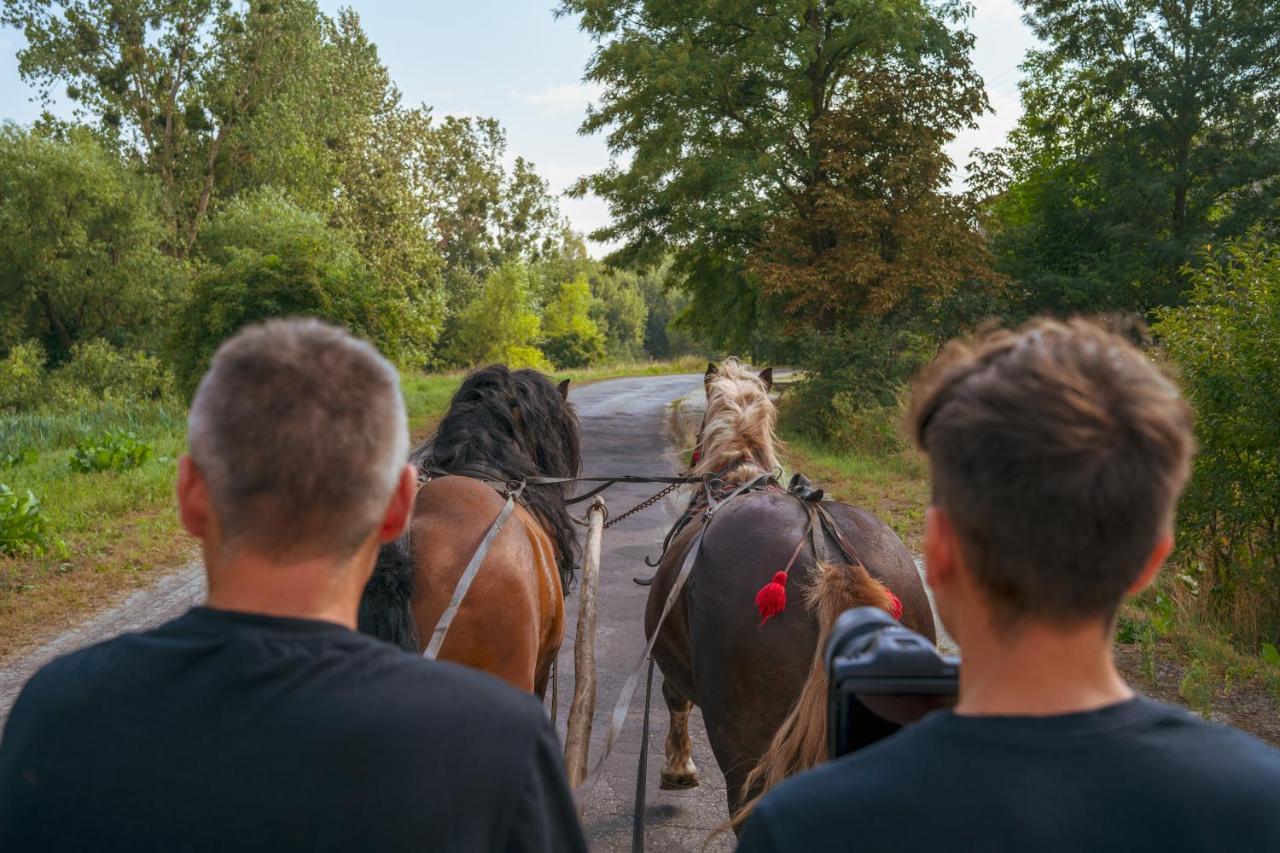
x=512, y=59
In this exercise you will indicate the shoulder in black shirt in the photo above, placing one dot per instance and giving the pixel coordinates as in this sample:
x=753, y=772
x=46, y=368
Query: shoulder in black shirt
x=1130, y=777
x=232, y=731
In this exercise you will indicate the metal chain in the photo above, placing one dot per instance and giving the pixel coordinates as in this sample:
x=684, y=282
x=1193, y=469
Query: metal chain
x=643, y=505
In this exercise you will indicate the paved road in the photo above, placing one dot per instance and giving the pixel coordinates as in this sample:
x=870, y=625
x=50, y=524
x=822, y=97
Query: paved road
x=624, y=431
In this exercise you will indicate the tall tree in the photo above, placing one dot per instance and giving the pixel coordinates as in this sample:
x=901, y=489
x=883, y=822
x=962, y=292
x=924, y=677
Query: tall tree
x=78, y=237
x=174, y=80
x=733, y=116
x=1150, y=129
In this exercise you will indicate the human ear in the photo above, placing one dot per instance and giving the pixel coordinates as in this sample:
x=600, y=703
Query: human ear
x=400, y=507
x=941, y=549
x=194, y=508
x=1159, y=553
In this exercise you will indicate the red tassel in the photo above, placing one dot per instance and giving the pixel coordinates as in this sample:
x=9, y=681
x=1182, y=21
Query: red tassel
x=772, y=597
x=895, y=605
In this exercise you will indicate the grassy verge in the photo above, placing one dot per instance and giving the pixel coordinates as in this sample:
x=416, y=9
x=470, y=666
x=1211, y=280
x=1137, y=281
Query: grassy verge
x=118, y=530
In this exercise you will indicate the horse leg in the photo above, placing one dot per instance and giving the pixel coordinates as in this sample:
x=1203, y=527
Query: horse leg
x=679, y=771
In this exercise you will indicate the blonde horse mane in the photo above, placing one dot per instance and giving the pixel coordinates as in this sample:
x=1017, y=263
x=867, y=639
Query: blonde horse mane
x=738, y=437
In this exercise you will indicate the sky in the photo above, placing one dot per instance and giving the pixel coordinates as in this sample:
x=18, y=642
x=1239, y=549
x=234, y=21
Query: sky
x=515, y=61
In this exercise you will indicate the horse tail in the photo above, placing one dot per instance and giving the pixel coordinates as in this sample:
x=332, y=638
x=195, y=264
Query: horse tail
x=801, y=741
x=384, y=607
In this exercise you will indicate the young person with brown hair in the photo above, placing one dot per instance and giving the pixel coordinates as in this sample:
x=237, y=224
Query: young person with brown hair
x=1057, y=455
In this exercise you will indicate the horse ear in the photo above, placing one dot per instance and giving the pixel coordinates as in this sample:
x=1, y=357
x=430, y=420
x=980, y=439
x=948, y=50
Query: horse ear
x=766, y=376
x=712, y=371
x=563, y=388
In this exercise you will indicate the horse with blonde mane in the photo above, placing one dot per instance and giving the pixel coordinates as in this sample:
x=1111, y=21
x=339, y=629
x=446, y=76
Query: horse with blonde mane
x=731, y=645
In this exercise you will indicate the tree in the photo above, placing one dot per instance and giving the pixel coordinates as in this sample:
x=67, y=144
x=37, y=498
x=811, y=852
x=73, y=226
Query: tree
x=267, y=257
x=732, y=116
x=573, y=340
x=174, y=80
x=500, y=325
x=1150, y=130
x=620, y=312
x=78, y=237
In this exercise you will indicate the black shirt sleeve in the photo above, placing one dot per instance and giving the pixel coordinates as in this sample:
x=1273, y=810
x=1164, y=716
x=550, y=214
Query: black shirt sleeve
x=546, y=818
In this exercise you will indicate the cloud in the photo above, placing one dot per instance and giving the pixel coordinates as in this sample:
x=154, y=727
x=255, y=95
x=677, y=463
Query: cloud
x=567, y=97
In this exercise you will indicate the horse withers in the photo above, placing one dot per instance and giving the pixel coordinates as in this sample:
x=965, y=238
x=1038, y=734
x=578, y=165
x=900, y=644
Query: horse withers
x=761, y=682
x=501, y=426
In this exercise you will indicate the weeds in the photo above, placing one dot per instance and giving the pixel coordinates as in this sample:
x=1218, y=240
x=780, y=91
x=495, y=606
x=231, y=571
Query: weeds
x=114, y=451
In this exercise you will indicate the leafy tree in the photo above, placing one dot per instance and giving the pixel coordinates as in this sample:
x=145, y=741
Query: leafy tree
x=78, y=237
x=175, y=80
x=741, y=125
x=1224, y=343
x=267, y=257
x=620, y=311
x=573, y=340
x=1150, y=129
x=500, y=324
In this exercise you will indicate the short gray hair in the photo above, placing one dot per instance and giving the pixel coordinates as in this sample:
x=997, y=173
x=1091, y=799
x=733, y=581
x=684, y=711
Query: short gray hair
x=300, y=432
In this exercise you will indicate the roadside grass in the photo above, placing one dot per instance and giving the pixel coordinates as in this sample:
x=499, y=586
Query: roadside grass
x=117, y=531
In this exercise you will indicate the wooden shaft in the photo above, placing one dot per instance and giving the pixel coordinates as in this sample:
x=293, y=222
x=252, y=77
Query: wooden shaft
x=582, y=709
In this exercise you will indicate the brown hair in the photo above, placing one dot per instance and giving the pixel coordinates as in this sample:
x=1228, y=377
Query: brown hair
x=1058, y=451
x=300, y=432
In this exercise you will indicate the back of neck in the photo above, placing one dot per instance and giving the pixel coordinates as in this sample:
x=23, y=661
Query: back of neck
x=315, y=589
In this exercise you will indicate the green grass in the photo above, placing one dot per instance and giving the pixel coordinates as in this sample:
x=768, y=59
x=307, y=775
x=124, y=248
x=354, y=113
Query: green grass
x=120, y=528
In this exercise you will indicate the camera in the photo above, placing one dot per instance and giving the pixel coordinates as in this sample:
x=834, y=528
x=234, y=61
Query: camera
x=882, y=676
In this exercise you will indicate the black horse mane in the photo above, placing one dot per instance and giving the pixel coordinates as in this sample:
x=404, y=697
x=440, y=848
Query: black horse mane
x=518, y=424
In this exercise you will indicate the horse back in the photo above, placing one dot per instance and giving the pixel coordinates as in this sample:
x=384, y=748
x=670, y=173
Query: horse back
x=511, y=621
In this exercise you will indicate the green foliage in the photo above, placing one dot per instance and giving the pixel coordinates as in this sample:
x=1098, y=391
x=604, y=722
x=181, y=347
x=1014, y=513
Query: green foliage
x=755, y=143
x=500, y=325
x=78, y=244
x=19, y=457
x=22, y=377
x=23, y=528
x=620, y=310
x=853, y=397
x=99, y=371
x=1149, y=130
x=113, y=451
x=269, y=258
x=573, y=340
x=1224, y=344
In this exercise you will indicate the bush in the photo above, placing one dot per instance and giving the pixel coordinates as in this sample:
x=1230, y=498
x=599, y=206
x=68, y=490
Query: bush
x=115, y=451
x=19, y=457
x=22, y=377
x=1225, y=344
x=500, y=324
x=23, y=528
x=852, y=395
x=97, y=370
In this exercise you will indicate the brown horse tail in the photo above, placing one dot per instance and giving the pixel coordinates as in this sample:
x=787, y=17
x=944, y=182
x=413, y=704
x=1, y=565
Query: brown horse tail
x=384, y=607
x=801, y=741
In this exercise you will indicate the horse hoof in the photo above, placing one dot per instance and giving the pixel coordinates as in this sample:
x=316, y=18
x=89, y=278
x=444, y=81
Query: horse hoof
x=682, y=781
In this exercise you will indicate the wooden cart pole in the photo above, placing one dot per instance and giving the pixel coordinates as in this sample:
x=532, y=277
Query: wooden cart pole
x=578, y=726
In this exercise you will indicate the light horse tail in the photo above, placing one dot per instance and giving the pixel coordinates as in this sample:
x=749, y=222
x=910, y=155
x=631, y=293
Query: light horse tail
x=800, y=743
x=384, y=608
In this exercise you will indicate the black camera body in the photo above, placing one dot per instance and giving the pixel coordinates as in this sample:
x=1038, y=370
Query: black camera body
x=882, y=676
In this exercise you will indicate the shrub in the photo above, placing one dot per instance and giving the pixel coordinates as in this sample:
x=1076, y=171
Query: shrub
x=23, y=528
x=22, y=377
x=1224, y=343
x=19, y=457
x=500, y=324
x=97, y=370
x=851, y=396
x=115, y=451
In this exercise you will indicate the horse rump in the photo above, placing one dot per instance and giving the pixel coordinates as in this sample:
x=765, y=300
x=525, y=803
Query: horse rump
x=384, y=608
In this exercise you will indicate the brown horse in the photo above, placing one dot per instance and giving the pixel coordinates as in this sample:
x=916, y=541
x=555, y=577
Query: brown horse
x=761, y=684
x=502, y=425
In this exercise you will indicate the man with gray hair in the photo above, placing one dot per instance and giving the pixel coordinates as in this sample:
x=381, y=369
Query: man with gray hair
x=262, y=720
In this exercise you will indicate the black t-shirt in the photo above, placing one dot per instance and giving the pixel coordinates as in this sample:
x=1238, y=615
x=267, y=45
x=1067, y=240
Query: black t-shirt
x=1131, y=777
x=231, y=731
